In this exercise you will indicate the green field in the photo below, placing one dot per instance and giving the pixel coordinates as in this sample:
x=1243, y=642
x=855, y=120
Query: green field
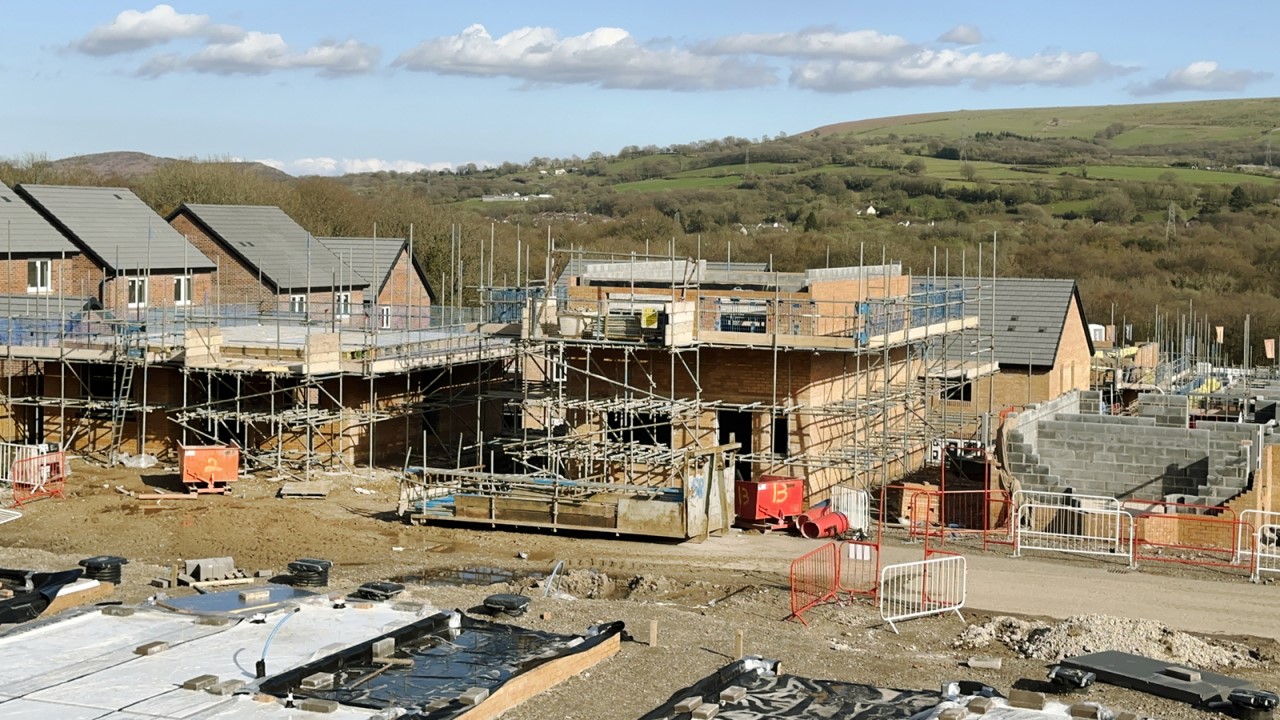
x=1152, y=174
x=1173, y=134
x=679, y=183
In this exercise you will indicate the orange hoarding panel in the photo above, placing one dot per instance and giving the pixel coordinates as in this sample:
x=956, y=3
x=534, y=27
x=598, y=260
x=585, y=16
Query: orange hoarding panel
x=208, y=464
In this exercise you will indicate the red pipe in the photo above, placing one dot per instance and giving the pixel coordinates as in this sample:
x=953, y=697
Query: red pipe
x=828, y=525
x=812, y=514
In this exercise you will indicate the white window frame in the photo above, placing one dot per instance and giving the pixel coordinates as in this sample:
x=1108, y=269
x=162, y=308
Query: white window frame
x=342, y=305
x=298, y=304
x=137, y=292
x=182, y=290
x=384, y=317
x=43, y=275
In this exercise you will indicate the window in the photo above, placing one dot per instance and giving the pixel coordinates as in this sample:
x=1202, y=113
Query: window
x=137, y=292
x=297, y=303
x=182, y=290
x=384, y=317
x=781, y=443
x=38, y=276
x=342, y=304
x=960, y=393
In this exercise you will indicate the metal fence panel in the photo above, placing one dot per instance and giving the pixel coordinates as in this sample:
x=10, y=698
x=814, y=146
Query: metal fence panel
x=859, y=568
x=1074, y=530
x=815, y=579
x=1253, y=519
x=1267, y=549
x=855, y=504
x=926, y=587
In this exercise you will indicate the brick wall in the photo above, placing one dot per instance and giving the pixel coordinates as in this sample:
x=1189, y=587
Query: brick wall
x=406, y=294
x=63, y=276
x=237, y=283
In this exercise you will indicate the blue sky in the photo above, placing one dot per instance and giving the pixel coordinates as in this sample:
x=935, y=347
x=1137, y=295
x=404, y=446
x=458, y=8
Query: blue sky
x=327, y=87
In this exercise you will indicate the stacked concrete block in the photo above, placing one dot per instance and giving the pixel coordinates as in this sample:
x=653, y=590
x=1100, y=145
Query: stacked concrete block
x=1167, y=410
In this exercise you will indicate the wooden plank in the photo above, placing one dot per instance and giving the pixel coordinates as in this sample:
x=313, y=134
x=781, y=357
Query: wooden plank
x=540, y=679
x=76, y=599
x=312, y=489
x=167, y=496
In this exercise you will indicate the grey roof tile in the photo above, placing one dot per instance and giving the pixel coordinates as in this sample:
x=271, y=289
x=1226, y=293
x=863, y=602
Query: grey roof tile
x=270, y=241
x=1028, y=319
x=370, y=258
x=23, y=230
x=116, y=227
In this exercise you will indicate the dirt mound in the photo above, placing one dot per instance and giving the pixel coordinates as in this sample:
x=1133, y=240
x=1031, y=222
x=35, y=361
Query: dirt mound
x=1082, y=634
x=590, y=584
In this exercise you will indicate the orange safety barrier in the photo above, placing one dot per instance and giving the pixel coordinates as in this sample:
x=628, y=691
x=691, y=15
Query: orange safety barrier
x=815, y=579
x=1187, y=539
x=40, y=476
x=859, y=568
x=937, y=516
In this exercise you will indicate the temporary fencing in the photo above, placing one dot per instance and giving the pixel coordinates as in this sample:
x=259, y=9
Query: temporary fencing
x=1255, y=519
x=39, y=476
x=12, y=452
x=927, y=587
x=1074, y=530
x=855, y=505
x=1266, y=547
x=939, y=517
x=859, y=568
x=1192, y=539
x=815, y=579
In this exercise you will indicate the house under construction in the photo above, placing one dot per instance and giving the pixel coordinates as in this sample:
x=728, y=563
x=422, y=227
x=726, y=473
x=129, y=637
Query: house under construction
x=619, y=393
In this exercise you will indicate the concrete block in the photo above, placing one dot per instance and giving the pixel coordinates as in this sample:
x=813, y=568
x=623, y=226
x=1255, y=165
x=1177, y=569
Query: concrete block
x=186, y=579
x=980, y=705
x=733, y=693
x=213, y=620
x=408, y=607
x=254, y=596
x=1183, y=674
x=688, y=704
x=117, y=611
x=954, y=713
x=473, y=696
x=317, y=681
x=986, y=663
x=317, y=705
x=159, y=582
x=1085, y=710
x=1127, y=716
x=1026, y=699
x=264, y=573
x=384, y=647
x=200, y=682
x=226, y=687
x=706, y=711
x=151, y=648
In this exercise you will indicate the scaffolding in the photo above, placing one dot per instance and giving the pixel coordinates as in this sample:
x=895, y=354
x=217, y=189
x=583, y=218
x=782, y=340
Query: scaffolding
x=632, y=382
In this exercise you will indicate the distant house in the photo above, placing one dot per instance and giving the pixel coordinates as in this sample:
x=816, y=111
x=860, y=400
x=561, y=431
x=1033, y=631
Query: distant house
x=399, y=295
x=871, y=211
x=129, y=258
x=38, y=260
x=265, y=259
x=1034, y=331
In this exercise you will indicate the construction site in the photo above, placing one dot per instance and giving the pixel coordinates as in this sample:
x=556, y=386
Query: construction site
x=612, y=437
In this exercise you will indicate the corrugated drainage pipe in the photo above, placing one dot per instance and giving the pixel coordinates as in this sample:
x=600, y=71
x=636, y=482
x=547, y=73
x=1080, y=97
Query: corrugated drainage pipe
x=829, y=525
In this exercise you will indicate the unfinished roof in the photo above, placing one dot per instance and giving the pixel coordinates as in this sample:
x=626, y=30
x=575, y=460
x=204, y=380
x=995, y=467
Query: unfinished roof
x=115, y=227
x=1030, y=316
x=44, y=306
x=23, y=230
x=268, y=240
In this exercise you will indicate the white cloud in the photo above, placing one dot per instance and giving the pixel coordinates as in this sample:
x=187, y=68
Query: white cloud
x=261, y=53
x=1200, y=76
x=604, y=57
x=816, y=43
x=226, y=50
x=962, y=35
x=951, y=67
x=341, y=166
x=134, y=30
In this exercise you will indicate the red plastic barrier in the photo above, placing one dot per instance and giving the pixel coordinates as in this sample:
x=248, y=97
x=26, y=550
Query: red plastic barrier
x=815, y=579
x=958, y=514
x=39, y=476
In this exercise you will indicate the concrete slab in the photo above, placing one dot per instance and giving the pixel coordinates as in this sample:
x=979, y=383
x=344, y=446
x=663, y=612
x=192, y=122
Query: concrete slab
x=1152, y=676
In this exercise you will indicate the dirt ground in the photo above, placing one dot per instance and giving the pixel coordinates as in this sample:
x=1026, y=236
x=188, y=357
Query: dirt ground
x=700, y=594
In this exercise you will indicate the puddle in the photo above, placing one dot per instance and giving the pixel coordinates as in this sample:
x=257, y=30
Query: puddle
x=467, y=576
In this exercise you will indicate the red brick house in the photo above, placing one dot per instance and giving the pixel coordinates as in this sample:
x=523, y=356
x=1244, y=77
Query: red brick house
x=37, y=259
x=266, y=261
x=128, y=258
x=401, y=294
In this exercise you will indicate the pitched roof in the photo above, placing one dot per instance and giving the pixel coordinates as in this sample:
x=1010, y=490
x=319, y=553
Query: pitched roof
x=23, y=230
x=370, y=258
x=1027, y=318
x=270, y=241
x=115, y=227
